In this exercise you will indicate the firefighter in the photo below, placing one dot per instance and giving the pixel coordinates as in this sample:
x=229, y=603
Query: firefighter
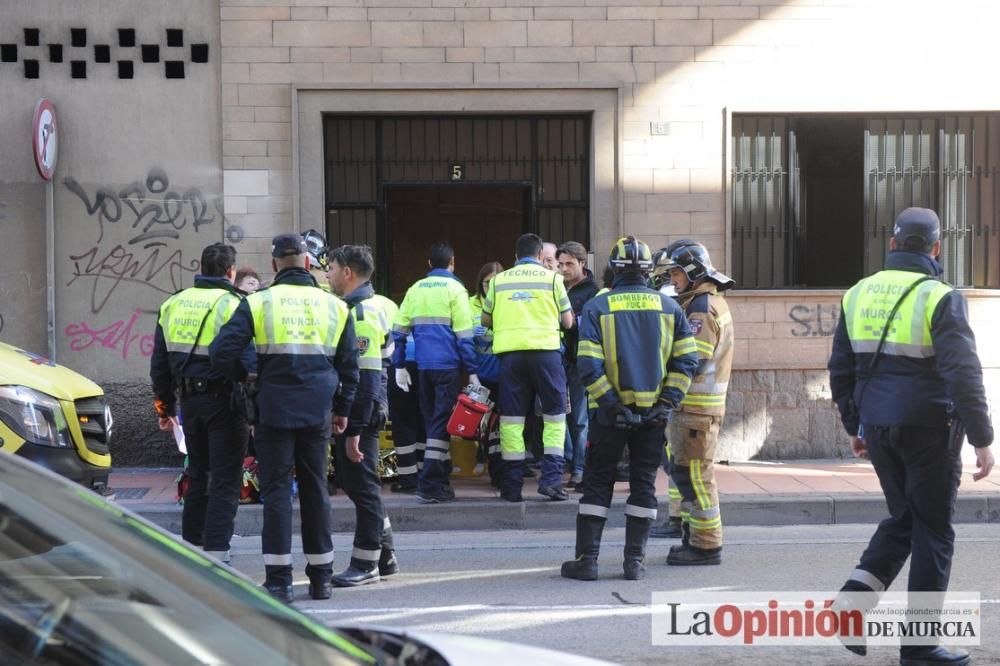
x=319, y=261
x=636, y=357
x=525, y=306
x=215, y=429
x=356, y=451
x=904, y=366
x=307, y=365
x=671, y=527
x=436, y=309
x=694, y=430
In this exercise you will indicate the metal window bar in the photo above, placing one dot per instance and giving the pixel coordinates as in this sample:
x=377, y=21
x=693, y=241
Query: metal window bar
x=759, y=180
x=948, y=163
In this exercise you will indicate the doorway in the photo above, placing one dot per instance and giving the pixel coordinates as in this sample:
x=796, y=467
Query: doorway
x=481, y=223
x=830, y=157
x=401, y=183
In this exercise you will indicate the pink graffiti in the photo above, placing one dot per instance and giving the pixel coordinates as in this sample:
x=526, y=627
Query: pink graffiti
x=119, y=336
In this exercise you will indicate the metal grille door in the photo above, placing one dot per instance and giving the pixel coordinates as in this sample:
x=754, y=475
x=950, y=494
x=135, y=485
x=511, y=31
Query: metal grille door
x=550, y=155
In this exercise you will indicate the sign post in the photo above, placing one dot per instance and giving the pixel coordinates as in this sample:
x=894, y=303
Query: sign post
x=45, y=145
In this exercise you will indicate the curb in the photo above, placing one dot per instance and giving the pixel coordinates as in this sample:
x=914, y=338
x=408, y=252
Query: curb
x=408, y=515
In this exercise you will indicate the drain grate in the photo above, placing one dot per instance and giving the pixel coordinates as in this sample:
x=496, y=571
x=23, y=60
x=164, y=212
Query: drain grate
x=129, y=493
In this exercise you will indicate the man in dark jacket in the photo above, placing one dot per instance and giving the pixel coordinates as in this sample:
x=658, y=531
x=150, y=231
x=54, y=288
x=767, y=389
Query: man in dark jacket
x=903, y=366
x=356, y=452
x=215, y=430
x=308, y=364
x=580, y=287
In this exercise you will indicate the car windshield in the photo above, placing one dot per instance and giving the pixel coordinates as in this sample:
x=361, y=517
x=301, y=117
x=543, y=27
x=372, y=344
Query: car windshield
x=83, y=582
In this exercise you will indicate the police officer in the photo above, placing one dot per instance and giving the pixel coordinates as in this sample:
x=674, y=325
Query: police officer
x=694, y=430
x=319, y=262
x=215, y=429
x=525, y=306
x=308, y=364
x=356, y=451
x=903, y=365
x=436, y=309
x=636, y=357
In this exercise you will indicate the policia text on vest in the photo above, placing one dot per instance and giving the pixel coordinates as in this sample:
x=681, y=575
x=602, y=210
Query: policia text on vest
x=894, y=380
x=308, y=367
x=214, y=425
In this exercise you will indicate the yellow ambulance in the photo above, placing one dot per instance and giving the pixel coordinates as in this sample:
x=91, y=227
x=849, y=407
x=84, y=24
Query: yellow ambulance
x=55, y=417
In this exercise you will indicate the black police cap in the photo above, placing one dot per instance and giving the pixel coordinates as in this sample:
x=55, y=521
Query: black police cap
x=286, y=245
x=916, y=229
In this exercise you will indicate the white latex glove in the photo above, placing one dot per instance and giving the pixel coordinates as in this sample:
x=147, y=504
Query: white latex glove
x=474, y=380
x=403, y=380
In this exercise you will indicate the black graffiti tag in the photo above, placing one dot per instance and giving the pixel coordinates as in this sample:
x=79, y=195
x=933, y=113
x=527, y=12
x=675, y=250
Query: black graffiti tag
x=812, y=321
x=157, y=268
x=150, y=208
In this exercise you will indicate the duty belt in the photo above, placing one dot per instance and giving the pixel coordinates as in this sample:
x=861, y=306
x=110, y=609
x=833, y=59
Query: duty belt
x=192, y=385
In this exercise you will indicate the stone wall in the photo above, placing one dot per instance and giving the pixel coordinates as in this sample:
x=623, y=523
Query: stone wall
x=779, y=404
x=137, y=189
x=780, y=415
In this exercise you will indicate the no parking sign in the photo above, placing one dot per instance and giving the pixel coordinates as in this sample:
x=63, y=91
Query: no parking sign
x=45, y=138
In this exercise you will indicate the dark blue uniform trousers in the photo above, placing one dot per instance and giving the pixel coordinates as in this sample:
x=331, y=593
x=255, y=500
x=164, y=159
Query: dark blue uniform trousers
x=607, y=443
x=363, y=486
x=408, y=434
x=438, y=394
x=525, y=375
x=278, y=450
x=920, y=477
x=216, y=438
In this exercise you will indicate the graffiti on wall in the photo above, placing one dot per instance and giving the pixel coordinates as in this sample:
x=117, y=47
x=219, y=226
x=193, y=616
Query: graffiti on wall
x=120, y=336
x=149, y=218
x=814, y=320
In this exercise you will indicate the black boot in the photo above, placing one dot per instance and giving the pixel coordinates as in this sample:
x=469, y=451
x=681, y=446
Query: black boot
x=387, y=564
x=691, y=555
x=855, y=596
x=280, y=591
x=356, y=575
x=932, y=655
x=319, y=585
x=588, y=545
x=636, y=534
x=278, y=582
x=670, y=529
x=685, y=538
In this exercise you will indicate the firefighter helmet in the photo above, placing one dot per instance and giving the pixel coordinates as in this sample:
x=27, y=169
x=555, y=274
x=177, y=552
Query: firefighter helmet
x=630, y=254
x=317, y=248
x=661, y=268
x=692, y=258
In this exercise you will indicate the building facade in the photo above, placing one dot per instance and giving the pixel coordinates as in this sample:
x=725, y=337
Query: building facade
x=783, y=135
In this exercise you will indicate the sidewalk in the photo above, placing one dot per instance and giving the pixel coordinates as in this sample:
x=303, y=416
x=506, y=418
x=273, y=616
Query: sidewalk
x=817, y=492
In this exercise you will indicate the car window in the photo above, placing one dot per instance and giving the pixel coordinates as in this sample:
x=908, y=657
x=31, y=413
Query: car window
x=86, y=583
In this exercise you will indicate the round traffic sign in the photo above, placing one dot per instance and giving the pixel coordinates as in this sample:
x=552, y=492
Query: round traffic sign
x=45, y=138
